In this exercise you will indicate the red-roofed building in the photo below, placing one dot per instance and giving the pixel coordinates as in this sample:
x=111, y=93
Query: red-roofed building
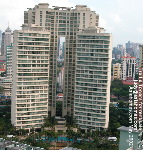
x=127, y=56
x=2, y=70
x=60, y=95
x=128, y=82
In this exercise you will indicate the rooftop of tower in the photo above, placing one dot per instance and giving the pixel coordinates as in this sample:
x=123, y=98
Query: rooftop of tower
x=77, y=7
x=93, y=30
x=8, y=29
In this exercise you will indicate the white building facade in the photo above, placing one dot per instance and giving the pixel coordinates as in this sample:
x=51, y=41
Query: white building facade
x=7, y=40
x=128, y=67
x=93, y=77
x=30, y=77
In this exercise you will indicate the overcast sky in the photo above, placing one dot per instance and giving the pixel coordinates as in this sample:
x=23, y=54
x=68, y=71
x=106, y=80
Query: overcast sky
x=123, y=18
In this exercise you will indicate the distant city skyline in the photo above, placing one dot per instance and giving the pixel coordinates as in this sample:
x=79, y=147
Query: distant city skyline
x=122, y=18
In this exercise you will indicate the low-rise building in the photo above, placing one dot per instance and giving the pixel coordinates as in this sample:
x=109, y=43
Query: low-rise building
x=7, y=85
x=130, y=139
x=2, y=70
x=116, y=71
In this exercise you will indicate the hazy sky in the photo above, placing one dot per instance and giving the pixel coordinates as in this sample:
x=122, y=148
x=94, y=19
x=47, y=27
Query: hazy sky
x=123, y=18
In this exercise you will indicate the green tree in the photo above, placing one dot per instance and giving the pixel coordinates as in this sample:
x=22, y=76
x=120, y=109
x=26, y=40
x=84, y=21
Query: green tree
x=117, y=92
x=118, y=116
x=70, y=134
x=3, y=74
x=49, y=122
x=119, y=89
x=59, y=108
x=70, y=121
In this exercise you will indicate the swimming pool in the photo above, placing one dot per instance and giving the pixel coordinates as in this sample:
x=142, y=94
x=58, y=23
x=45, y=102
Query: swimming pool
x=59, y=139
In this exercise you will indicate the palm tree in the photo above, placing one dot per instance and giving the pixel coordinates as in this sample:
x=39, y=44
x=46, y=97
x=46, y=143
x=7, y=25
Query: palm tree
x=12, y=130
x=50, y=122
x=60, y=133
x=70, y=121
x=56, y=135
x=45, y=135
x=71, y=135
x=39, y=136
x=77, y=135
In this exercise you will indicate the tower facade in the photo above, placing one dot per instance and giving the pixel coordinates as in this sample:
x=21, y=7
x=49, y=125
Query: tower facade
x=9, y=61
x=62, y=22
x=92, y=80
x=7, y=82
x=30, y=77
x=7, y=40
x=68, y=24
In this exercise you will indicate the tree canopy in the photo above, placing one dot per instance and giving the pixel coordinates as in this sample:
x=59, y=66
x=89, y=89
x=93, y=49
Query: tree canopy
x=119, y=89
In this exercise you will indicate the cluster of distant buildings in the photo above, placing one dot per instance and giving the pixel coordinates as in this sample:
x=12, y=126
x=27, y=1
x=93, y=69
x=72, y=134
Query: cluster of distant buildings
x=6, y=61
x=125, y=62
x=130, y=48
x=127, y=65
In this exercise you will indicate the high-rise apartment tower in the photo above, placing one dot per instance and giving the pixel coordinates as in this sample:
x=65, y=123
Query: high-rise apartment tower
x=7, y=40
x=78, y=26
x=30, y=77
